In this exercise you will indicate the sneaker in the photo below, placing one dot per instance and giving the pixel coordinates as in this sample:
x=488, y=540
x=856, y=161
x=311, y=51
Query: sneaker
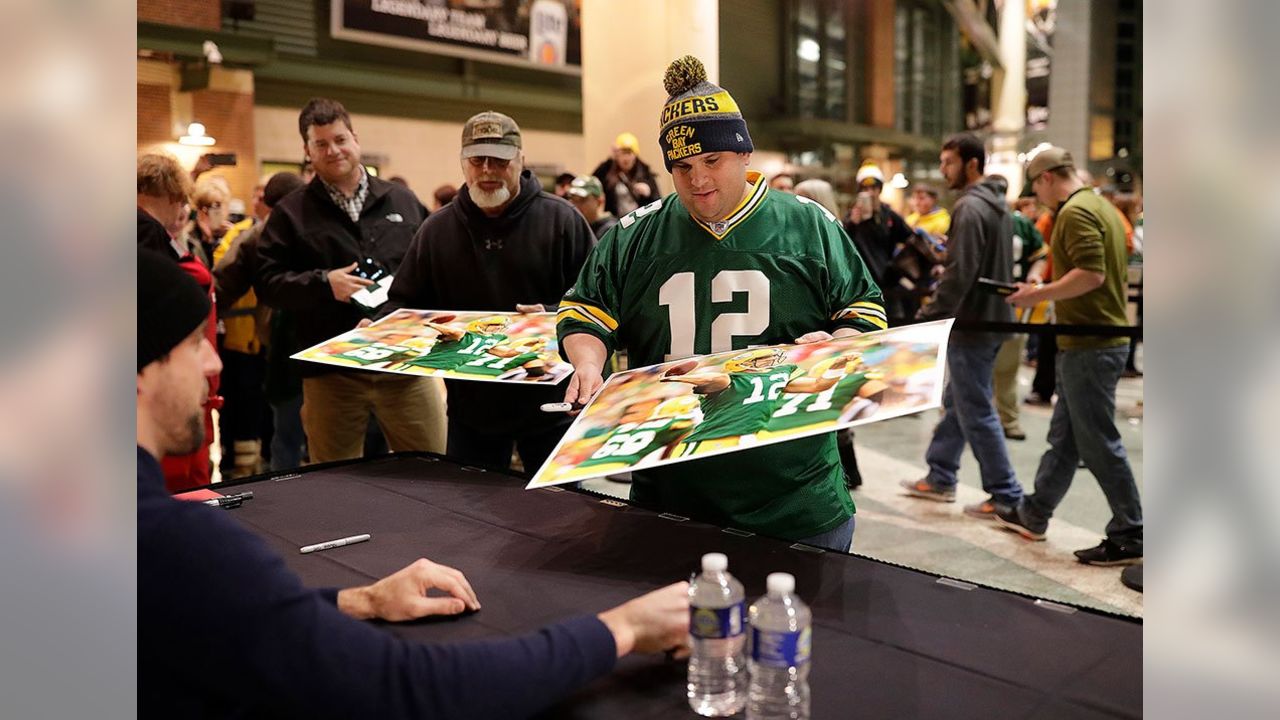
x=985, y=510
x=1015, y=434
x=1109, y=554
x=1015, y=519
x=1131, y=577
x=925, y=489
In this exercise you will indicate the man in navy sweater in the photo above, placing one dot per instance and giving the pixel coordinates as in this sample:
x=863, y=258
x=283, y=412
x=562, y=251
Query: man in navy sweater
x=286, y=650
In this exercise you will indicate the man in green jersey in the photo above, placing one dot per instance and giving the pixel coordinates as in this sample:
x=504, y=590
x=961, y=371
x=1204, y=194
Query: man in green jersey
x=632, y=443
x=508, y=359
x=375, y=354
x=725, y=265
x=457, y=345
x=856, y=392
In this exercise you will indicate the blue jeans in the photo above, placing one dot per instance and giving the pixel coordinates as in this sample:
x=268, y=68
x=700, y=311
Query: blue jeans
x=968, y=416
x=837, y=539
x=1083, y=427
x=289, y=439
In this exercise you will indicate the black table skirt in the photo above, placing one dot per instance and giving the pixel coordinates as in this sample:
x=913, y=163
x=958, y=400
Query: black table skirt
x=888, y=642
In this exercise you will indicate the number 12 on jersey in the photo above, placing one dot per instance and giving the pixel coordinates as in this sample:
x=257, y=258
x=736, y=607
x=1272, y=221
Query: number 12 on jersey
x=679, y=296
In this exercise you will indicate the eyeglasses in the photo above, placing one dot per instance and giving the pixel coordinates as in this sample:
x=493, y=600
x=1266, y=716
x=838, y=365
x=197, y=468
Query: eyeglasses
x=480, y=160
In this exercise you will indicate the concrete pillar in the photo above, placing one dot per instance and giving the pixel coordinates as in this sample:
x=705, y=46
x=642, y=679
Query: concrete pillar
x=1009, y=99
x=625, y=51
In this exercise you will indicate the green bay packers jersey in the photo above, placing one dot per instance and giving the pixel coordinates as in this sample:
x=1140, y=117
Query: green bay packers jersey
x=744, y=407
x=489, y=365
x=816, y=408
x=448, y=354
x=664, y=285
x=377, y=354
x=633, y=442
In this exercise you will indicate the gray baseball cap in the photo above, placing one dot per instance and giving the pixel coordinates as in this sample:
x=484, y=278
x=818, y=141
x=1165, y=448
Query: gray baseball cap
x=1051, y=158
x=491, y=134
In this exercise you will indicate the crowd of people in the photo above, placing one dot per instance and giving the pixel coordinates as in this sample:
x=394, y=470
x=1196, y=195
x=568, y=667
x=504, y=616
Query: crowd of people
x=224, y=302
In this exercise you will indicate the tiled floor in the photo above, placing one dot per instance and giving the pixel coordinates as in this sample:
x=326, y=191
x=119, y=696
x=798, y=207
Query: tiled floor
x=941, y=539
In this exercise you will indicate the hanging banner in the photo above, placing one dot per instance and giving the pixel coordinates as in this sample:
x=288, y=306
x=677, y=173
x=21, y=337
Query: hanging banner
x=542, y=33
x=485, y=346
x=727, y=402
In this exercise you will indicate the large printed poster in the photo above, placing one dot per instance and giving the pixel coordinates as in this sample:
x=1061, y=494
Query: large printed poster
x=484, y=346
x=716, y=404
x=539, y=33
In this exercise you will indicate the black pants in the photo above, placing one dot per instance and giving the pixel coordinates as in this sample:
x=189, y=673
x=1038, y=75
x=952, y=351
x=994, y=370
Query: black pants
x=245, y=414
x=467, y=445
x=1046, y=364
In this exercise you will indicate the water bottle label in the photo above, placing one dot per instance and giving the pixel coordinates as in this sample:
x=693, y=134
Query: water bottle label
x=714, y=623
x=781, y=649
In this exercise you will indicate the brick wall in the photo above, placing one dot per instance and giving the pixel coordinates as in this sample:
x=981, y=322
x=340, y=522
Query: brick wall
x=204, y=14
x=155, y=116
x=228, y=117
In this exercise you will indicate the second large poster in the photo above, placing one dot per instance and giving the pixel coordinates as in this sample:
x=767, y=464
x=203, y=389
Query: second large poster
x=716, y=404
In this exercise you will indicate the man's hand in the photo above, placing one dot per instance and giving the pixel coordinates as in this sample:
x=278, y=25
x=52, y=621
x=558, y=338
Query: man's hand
x=364, y=323
x=641, y=188
x=344, y=284
x=529, y=309
x=816, y=336
x=1027, y=295
x=586, y=381
x=403, y=595
x=652, y=623
x=855, y=214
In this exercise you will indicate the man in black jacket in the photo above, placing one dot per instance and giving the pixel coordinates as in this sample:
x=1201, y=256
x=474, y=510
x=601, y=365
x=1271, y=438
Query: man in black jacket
x=627, y=180
x=503, y=244
x=311, y=246
x=878, y=232
x=286, y=650
x=980, y=245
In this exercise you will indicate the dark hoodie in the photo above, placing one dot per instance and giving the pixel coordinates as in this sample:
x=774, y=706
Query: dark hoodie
x=462, y=259
x=980, y=244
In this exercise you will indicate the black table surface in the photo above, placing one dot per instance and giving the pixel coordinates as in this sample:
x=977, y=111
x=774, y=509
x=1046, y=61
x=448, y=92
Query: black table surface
x=888, y=642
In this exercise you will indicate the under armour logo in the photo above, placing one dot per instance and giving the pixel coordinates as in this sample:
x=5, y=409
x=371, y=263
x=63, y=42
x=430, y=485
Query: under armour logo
x=493, y=244
x=739, y=136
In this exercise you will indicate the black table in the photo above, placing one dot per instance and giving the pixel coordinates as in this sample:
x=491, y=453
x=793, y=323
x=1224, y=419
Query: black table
x=888, y=642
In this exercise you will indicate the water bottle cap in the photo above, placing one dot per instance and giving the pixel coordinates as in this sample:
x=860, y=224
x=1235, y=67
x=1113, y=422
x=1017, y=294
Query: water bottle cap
x=714, y=562
x=780, y=583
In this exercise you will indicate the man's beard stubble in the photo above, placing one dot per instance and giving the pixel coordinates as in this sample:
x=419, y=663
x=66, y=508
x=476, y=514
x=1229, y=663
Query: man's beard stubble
x=191, y=440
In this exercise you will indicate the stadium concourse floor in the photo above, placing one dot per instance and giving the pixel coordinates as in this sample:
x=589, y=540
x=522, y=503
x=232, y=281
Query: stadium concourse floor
x=939, y=538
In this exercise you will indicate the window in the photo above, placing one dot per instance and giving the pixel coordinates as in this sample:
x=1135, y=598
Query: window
x=820, y=76
x=921, y=49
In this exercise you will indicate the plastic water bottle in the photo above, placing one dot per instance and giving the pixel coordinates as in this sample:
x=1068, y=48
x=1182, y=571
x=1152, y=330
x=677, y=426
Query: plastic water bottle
x=781, y=639
x=717, y=635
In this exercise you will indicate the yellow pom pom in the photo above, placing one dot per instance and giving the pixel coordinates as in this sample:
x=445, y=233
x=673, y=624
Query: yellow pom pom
x=683, y=75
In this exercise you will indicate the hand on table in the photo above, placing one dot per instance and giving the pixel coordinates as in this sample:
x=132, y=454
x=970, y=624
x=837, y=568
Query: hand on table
x=652, y=623
x=403, y=594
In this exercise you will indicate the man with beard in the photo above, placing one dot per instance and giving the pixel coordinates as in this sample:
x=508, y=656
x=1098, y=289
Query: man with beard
x=980, y=246
x=502, y=245
x=287, y=650
x=311, y=250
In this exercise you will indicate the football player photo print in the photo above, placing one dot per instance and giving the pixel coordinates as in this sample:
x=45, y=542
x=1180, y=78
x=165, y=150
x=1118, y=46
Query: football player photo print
x=484, y=346
x=722, y=403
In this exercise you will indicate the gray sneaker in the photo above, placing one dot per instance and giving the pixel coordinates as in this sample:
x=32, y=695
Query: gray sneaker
x=985, y=510
x=1015, y=520
x=924, y=489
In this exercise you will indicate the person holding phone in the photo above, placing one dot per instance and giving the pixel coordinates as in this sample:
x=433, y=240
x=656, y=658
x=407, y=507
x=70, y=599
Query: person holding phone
x=318, y=250
x=877, y=232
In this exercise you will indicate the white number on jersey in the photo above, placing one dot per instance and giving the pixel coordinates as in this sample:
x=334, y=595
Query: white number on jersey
x=774, y=383
x=630, y=218
x=818, y=205
x=677, y=294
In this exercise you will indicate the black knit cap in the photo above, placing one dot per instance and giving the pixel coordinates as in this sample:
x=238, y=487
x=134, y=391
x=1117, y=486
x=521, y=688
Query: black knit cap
x=171, y=306
x=699, y=116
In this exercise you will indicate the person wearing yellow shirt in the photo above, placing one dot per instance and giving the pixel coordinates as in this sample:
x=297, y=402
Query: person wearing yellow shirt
x=926, y=215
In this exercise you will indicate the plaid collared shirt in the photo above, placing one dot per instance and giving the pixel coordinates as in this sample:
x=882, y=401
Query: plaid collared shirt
x=354, y=204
